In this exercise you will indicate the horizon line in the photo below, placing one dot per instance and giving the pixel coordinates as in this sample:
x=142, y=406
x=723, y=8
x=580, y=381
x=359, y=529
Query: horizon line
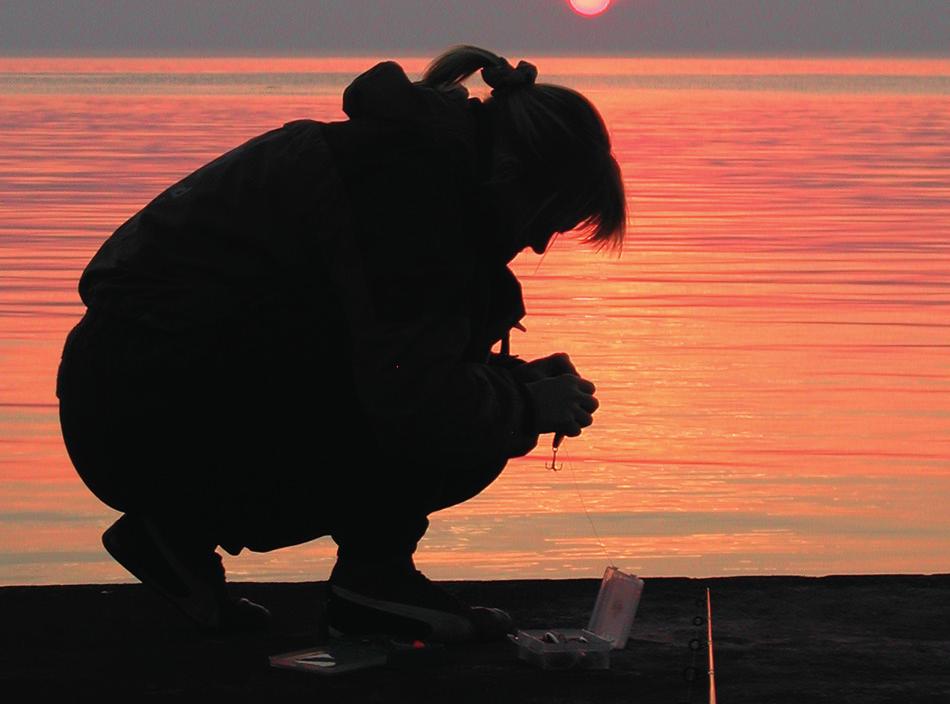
x=416, y=54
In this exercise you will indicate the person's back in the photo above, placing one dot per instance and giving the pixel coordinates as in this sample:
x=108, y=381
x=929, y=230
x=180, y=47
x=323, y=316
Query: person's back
x=228, y=240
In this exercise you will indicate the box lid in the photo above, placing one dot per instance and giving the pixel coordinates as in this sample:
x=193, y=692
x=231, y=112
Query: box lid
x=616, y=606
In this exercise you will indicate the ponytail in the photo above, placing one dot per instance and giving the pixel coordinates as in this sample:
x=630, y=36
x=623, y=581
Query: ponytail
x=554, y=134
x=454, y=66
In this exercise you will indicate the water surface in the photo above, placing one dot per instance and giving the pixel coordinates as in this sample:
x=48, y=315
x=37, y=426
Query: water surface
x=772, y=350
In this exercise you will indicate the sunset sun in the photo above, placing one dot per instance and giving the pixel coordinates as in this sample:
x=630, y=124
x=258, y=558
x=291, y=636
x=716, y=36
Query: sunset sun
x=589, y=8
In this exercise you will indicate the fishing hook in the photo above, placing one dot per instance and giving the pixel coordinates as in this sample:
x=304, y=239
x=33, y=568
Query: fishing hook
x=554, y=466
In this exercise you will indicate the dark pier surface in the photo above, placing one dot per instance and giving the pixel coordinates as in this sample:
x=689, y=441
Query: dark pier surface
x=861, y=639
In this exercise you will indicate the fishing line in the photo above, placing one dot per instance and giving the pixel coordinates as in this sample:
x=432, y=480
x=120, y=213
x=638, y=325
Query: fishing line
x=577, y=488
x=567, y=460
x=545, y=253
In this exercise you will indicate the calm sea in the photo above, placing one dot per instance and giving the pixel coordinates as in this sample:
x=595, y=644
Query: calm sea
x=772, y=350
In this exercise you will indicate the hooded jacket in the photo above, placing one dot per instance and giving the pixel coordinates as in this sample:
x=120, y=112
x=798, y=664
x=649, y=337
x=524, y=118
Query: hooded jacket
x=369, y=237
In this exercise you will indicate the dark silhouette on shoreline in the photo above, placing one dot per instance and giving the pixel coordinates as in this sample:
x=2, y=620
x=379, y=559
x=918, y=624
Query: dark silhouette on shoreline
x=296, y=340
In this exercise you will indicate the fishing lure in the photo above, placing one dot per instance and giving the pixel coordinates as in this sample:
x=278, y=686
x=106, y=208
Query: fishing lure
x=554, y=466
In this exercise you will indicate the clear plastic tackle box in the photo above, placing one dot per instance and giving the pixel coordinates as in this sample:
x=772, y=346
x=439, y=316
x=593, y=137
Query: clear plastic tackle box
x=587, y=648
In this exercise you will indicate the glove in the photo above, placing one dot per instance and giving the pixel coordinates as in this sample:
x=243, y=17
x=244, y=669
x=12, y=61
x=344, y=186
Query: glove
x=553, y=365
x=563, y=404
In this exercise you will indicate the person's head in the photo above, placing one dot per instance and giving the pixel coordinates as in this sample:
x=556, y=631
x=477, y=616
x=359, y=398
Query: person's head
x=553, y=169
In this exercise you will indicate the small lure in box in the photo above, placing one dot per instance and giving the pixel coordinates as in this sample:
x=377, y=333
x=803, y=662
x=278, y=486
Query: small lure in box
x=609, y=629
x=563, y=649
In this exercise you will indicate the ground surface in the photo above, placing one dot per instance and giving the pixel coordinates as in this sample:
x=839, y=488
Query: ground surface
x=862, y=639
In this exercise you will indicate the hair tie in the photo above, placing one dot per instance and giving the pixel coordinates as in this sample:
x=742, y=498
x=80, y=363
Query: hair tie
x=503, y=76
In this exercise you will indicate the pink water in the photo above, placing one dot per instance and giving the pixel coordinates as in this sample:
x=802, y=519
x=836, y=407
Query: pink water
x=772, y=350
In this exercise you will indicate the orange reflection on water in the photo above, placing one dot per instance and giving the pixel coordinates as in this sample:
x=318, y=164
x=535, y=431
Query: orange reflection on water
x=770, y=351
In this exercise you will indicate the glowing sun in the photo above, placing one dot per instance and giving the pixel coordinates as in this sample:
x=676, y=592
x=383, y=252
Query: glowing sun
x=589, y=7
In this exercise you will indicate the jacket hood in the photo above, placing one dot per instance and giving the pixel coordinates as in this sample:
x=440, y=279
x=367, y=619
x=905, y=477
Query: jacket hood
x=385, y=93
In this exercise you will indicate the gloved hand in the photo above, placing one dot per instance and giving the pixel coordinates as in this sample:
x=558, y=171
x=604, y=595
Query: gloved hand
x=552, y=365
x=563, y=404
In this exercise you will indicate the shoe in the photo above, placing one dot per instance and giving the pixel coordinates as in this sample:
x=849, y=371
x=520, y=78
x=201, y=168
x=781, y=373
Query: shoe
x=190, y=578
x=396, y=599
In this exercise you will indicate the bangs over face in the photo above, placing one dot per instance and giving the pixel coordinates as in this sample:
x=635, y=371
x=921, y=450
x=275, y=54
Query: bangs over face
x=557, y=140
x=562, y=143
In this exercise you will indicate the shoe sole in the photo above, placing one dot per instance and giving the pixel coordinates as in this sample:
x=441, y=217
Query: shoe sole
x=445, y=627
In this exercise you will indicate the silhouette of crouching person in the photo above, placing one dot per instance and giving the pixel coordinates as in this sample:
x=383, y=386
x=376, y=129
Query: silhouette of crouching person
x=296, y=341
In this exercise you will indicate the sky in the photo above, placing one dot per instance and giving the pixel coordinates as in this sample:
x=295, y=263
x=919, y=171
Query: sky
x=629, y=27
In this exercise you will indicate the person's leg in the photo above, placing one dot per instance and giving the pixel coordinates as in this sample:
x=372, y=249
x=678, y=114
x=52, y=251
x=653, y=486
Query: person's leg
x=374, y=586
x=330, y=477
x=247, y=444
x=390, y=514
x=84, y=412
x=380, y=537
x=279, y=471
x=133, y=427
x=132, y=439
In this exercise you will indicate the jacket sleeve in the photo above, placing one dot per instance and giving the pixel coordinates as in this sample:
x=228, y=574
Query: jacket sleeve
x=406, y=308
